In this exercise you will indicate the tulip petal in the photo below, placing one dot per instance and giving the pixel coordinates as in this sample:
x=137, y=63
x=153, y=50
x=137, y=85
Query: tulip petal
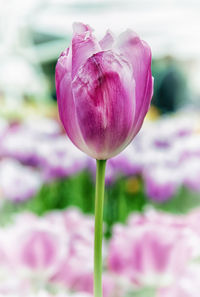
x=64, y=64
x=84, y=45
x=107, y=42
x=139, y=118
x=103, y=91
x=65, y=99
x=138, y=54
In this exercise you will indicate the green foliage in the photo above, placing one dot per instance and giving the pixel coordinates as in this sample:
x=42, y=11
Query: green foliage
x=125, y=196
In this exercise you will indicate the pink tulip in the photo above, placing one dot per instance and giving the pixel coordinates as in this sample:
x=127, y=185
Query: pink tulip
x=187, y=285
x=104, y=89
x=40, y=247
x=149, y=256
x=192, y=220
x=47, y=294
x=161, y=182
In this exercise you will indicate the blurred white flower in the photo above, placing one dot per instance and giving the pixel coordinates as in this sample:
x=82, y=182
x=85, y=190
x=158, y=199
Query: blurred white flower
x=18, y=182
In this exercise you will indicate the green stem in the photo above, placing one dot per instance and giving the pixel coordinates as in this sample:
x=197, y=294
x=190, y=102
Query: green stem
x=99, y=201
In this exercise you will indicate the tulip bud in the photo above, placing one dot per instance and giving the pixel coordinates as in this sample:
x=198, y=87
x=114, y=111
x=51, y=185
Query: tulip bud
x=104, y=90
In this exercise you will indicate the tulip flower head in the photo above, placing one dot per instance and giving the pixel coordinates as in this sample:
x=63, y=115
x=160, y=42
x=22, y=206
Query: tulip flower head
x=104, y=89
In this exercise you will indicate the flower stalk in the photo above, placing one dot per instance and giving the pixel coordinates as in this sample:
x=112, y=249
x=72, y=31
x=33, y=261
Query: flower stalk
x=98, y=236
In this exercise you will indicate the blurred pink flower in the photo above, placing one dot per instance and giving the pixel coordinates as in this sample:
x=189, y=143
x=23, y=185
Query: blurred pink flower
x=18, y=182
x=77, y=225
x=155, y=218
x=153, y=252
x=76, y=269
x=59, y=159
x=192, y=220
x=47, y=294
x=190, y=169
x=39, y=247
x=161, y=182
x=21, y=144
x=104, y=90
x=187, y=285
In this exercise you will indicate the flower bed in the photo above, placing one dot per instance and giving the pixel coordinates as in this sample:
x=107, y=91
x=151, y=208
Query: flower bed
x=49, y=255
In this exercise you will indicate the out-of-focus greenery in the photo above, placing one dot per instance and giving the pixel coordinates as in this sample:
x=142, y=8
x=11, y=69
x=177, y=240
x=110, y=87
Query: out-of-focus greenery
x=123, y=197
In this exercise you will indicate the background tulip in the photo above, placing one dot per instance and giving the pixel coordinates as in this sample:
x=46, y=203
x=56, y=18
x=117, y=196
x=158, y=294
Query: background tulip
x=104, y=90
x=152, y=258
x=40, y=247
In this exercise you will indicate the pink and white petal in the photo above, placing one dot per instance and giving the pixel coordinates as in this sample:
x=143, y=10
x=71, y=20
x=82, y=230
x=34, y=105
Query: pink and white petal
x=84, y=45
x=66, y=106
x=104, y=94
x=138, y=54
x=144, y=107
x=107, y=41
x=65, y=63
x=80, y=28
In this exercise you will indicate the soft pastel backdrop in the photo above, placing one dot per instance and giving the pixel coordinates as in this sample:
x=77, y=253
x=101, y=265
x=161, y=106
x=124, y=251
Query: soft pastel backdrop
x=151, y=242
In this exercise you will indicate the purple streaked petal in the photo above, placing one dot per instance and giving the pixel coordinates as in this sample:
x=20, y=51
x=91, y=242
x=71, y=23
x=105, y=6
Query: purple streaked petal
x=104, y=92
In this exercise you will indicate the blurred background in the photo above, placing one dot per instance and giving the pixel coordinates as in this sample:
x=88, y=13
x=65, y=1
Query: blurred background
x=152, y=203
